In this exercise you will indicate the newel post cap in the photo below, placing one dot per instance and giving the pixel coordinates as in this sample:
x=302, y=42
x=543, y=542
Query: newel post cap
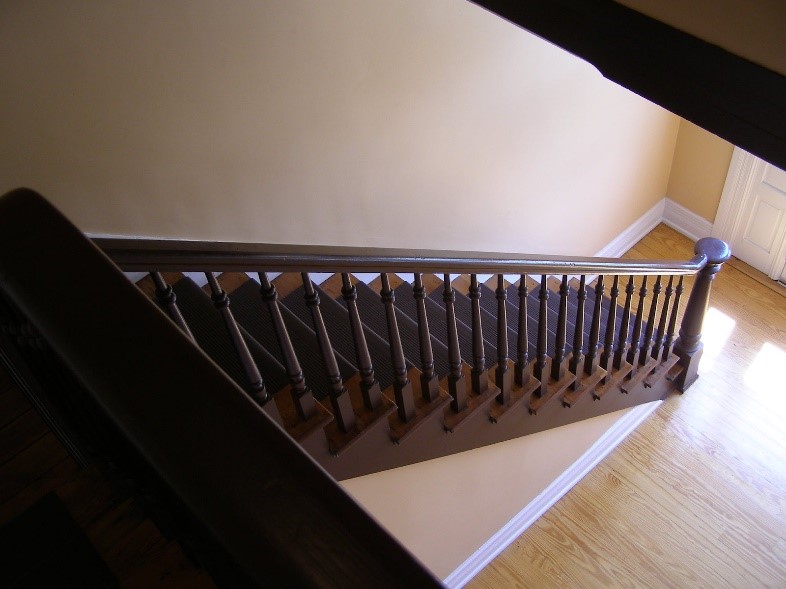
x=716, y=250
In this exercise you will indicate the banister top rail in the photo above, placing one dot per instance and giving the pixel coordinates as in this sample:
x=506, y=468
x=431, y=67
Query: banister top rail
x=197, y=256
x=280, y=516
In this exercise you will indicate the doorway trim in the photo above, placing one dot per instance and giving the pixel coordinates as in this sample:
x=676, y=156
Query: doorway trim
x=743, y=168
x=738, y=180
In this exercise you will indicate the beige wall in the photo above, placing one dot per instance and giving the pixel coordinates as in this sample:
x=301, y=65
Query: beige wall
x=390, y=123
x=444, y=509
x=698, y=171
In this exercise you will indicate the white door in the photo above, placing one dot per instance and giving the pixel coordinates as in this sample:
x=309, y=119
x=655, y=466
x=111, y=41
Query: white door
x=758, y=229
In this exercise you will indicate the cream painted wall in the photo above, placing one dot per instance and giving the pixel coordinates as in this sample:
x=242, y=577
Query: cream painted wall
x=389, y=123
x=698, y=172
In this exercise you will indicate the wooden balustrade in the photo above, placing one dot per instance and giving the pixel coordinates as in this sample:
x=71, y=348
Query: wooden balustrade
x=339, y=397
x=455, y=380
x=254, y=382
x=647, y=342
x=429, y=381
x=302, y=398
x=168, y=299
x=479, y=375
x=591, y=358
x=635, y=339
x=502, y=376
x=669, y=342
x=372, y=396
x=689, y=346
x=608, y=355
x=578, y=334
x=401, y=386
x=557, y=364
x=660, y=334
x=622, y=340
x=522, y=356
x=539, y=368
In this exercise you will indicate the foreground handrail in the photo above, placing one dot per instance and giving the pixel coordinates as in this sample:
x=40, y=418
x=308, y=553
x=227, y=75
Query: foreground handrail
x=200, y=256
x=280, y=516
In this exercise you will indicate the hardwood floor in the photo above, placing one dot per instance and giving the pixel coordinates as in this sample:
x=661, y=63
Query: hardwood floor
x=33, y=463
x=696, y=497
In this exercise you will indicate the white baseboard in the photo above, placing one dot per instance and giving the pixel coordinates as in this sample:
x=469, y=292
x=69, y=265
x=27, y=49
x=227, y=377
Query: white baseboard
x=634, y=233
x=685, y=221
x=549, y=496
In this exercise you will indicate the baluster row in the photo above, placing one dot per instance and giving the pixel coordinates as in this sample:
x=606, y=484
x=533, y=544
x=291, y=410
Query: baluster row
x=619, y=360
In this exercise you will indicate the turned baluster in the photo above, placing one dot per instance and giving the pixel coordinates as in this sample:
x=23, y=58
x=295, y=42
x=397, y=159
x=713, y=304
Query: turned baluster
x=633, y=351
x=479, y=375
x=501, y=375
x=578, y=333
x=369, y=387
x=611, y=328
x=591, y=359
x=302, y=398
x=622, y=340
x=672, y=321
x=429, y=383
x=221, y=302
x=402, y=389
x=557, y=368
x=689, y=346
x=522, y=358
x=540, y=357
x=660, y=333
x=339, y=397
x=456, y=384
x=167, y=297
x=647, y=342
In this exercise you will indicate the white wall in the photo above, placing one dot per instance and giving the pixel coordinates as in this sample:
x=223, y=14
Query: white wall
x=391, y=123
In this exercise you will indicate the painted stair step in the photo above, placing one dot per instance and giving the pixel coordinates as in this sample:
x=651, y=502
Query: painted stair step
x=488, y=323
x=405, y=300
x=372, y=314
x=337, y=323
x=252, y=312
x=532, y=313
x=337, y=319
x=208, y=328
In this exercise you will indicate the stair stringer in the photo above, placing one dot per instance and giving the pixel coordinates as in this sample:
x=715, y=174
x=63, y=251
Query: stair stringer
x=431, y=441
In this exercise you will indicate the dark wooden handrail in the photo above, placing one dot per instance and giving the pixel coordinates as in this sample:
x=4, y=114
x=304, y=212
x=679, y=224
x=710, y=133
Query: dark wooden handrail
x=283, y=520
x=200, y=256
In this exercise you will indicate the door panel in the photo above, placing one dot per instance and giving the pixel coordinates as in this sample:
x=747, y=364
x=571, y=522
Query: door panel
x=761, y=230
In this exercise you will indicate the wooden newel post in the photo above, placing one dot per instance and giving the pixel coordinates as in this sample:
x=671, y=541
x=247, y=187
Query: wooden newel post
x=689, y=346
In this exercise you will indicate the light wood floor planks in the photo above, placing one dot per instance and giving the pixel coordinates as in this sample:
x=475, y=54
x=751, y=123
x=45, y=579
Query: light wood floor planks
x=696, y=497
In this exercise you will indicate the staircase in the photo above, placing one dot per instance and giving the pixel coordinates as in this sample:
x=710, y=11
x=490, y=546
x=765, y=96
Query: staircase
x=361, y=376
x=341, y=344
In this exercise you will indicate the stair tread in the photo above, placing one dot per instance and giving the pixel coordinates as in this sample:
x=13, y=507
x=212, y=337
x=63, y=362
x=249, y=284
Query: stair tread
x=488, y=322
x=532, y=313
x=336, y=318
x=208, y=329
x=438, y=322
x=253, y=314
x=372, y=314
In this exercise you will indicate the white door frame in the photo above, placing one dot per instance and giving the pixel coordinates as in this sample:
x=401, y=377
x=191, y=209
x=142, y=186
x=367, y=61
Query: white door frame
x=736, y=191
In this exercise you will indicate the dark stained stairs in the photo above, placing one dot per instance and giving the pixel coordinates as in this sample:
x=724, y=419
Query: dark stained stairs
x=398, y=416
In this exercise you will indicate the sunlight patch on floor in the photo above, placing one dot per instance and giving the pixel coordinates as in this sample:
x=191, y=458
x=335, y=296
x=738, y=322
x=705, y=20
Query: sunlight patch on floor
x=764, y=374
x=716, y=331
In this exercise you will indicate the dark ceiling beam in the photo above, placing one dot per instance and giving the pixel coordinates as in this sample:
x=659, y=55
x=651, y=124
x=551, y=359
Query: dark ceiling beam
x=730, y=96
